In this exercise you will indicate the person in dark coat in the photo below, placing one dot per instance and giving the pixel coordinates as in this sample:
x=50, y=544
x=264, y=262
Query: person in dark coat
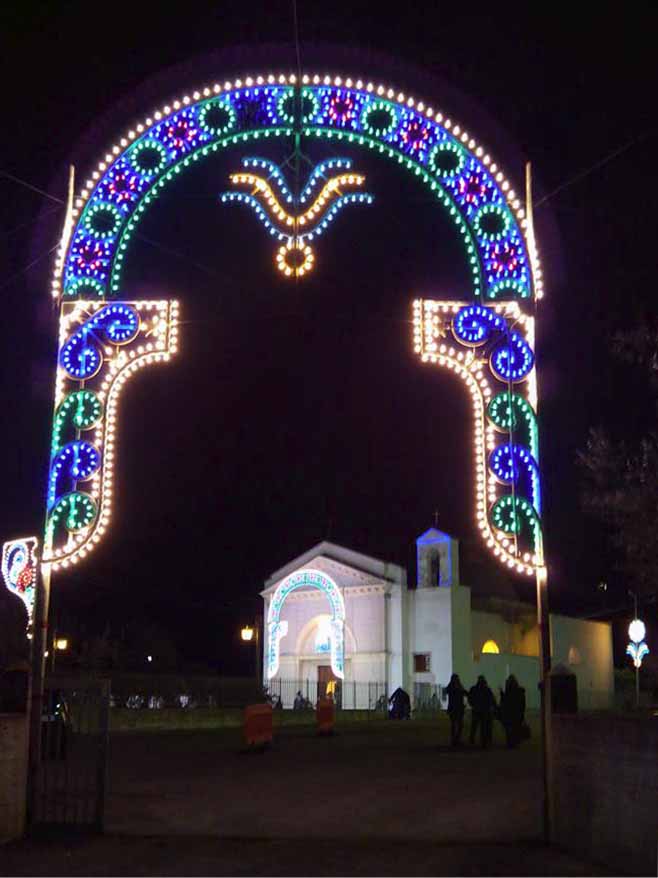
x=483, y=703
x=456, y=695
x=400, y=705
x=512, y=710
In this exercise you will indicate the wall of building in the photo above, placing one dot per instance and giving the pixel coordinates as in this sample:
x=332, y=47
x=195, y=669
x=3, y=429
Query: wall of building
x=430, y=631
x=586, y=649
x=497, y=668
x=606, y=788
x=462, y=632
x=13, y=774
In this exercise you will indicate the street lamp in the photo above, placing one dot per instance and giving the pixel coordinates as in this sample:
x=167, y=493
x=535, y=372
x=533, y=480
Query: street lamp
x=637, y=648
x=60, y=644
x=248, y=634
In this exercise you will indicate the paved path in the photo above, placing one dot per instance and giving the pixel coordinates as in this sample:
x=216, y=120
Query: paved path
x=121, y=855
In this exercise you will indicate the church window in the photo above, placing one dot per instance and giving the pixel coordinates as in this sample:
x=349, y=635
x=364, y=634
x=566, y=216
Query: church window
x=421, y=662
x=323, y=636
x=491, y=647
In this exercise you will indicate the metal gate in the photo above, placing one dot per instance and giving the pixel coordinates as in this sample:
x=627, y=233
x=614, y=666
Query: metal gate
x=72, y=778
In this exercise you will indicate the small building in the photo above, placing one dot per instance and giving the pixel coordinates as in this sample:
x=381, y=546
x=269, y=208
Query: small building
x=343, y=622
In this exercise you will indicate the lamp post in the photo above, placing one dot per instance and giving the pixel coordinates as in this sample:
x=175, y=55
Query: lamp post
x=60, y=644
x=637, y=648
x=247, y=634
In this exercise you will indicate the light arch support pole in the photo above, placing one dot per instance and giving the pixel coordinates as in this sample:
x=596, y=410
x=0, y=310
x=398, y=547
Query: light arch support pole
x=100, y=347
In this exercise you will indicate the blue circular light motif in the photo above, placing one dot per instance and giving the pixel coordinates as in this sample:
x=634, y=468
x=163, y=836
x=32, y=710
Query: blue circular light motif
x=474, y=324
x=77, y=461
x=503, y=462
x=119, y=322
x=80, y=357
x=512, y=360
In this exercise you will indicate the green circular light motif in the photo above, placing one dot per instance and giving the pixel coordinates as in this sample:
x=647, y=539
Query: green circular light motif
x=287, y=114
x=83, y=406
x=75, y=511
x=148, y=157
x=508, y=289
x=492, y=222
x=78, y=286
x=102, y=220
x=217, y=117
x=508, y=514
x=446, y=159
x=373, y=119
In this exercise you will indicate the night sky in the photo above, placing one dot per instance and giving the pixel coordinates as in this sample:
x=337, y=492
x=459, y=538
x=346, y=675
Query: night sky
x=298, y=412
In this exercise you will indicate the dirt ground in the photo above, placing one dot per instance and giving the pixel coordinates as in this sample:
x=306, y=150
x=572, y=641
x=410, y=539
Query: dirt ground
x=394, y=781
x=374, y=799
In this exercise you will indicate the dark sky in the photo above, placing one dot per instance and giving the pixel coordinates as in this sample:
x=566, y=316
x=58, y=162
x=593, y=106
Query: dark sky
x=297, y=412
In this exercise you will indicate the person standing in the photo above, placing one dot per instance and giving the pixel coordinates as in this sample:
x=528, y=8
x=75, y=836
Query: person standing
x=512, y=711
x=456, y=695
x=483, y=703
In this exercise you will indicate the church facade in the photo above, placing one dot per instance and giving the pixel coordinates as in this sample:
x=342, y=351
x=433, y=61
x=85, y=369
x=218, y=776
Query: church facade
x=337, y=618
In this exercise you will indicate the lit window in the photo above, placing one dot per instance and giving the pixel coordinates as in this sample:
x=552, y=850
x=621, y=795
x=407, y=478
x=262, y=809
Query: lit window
x=323, y=636
x=421, y=662
x=491, y=647
x=574, y=656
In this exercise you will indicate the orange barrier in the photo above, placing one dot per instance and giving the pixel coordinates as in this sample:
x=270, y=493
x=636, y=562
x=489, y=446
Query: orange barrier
x=258, y=724
x=326, y=715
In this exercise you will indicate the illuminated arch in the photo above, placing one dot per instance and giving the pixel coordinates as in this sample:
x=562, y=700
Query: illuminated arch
x=100, y=348
x=478, y=198
x=277, y=629
x=490, y=647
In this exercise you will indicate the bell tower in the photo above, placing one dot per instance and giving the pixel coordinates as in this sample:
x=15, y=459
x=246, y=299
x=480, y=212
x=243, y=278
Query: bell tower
x=437, y=560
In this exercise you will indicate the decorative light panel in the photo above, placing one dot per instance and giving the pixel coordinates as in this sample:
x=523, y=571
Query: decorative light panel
x=19, y=570
x=491, y=349
x=491, y=341
x=278, y=628
x=637, y=649
x=101, y=345
x=461, y=175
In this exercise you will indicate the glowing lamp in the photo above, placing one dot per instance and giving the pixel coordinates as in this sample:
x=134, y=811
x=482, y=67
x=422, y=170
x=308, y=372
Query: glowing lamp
x=490, y=648
x=637, y=631
x=62, y=643
x=247, y=633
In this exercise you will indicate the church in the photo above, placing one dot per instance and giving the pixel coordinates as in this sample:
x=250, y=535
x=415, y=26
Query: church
x=339, y=621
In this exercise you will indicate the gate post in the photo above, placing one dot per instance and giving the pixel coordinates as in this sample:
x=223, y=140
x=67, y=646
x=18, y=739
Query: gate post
x=103, y=742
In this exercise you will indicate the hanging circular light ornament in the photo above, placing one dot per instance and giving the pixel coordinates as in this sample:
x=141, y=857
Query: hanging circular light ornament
x=295, y=258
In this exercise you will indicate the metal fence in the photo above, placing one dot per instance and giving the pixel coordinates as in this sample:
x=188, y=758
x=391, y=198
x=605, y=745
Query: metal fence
x=71, y=781
x=348, y=695
x=428, y=698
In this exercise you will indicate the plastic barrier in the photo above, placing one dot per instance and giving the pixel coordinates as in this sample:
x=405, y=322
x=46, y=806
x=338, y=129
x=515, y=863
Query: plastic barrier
x=258, y=724
x=326, y=715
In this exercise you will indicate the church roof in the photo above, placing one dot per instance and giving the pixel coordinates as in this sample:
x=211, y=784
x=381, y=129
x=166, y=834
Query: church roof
x=346, y=565
x=433, y=535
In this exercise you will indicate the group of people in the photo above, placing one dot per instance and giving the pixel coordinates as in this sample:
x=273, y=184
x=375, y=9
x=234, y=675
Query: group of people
x=484, y=708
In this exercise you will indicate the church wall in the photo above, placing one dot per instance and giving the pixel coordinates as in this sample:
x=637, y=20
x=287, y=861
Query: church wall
x=462, y=634
x=431, y=632
x=490, y=626
x=497, y=668
x=364, y=614
x=395, y=634
x=585, y=648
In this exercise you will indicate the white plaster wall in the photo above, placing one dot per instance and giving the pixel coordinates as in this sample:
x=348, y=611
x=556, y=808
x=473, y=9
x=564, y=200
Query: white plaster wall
x=394, y=674
x=430, y=630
